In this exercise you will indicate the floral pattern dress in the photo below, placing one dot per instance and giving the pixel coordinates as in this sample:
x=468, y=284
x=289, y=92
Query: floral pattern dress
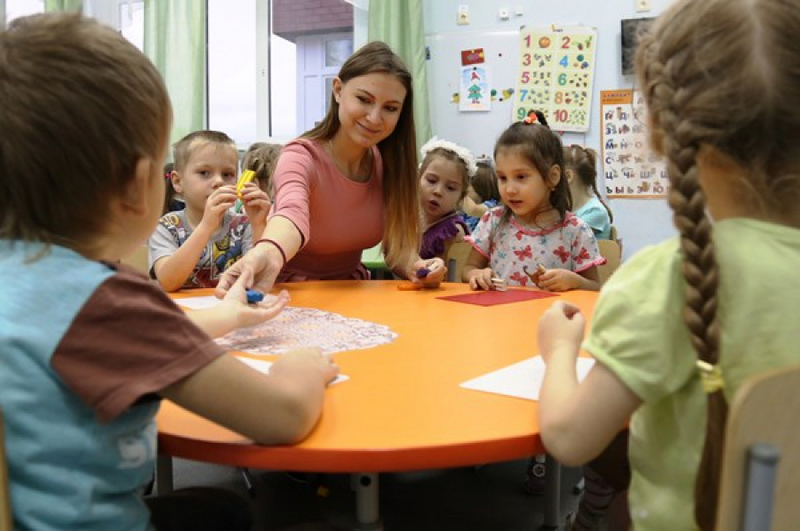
x=515, y=250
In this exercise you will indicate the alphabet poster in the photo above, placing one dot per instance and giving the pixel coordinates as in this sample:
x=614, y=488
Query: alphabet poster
x=556, y=74
x=630, y=167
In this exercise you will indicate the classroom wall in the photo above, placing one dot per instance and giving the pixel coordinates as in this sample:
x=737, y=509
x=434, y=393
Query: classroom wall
x=640, y=222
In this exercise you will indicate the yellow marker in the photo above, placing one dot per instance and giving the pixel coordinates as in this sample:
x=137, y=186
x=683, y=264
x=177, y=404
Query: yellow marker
x=246, y=177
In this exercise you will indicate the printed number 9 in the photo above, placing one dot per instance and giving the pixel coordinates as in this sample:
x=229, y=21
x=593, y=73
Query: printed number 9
x=521, y=114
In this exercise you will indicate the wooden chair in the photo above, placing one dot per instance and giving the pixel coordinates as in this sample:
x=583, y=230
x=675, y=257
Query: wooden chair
x=760, y=485
x=613, y=255
x=455, y=259
x=6, y=519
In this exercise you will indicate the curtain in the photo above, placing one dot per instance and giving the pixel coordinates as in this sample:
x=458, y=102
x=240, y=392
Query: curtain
x=400, y=25
x=175, y=40
x=63, y=5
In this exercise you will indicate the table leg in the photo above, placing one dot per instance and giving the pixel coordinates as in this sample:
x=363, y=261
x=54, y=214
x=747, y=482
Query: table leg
x=552, y=493
x=164, y=474
x=368, y=515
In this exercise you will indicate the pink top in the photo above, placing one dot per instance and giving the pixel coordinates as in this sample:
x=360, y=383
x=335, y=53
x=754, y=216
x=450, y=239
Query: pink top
x=337, y=217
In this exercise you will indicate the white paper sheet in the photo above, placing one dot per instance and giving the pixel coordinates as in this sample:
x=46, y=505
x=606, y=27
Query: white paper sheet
x=522, y=379
x=198, y=303
x=263, y=366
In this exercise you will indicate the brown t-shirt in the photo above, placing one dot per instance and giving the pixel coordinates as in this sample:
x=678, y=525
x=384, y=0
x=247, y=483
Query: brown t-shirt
x=128, y=342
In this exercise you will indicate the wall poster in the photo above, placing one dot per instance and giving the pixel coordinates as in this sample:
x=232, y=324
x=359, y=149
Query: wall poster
x=630, y=167
x=555, y=76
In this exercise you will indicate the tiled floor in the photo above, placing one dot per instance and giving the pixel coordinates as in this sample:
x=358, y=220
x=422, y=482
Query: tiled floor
x=485, y=498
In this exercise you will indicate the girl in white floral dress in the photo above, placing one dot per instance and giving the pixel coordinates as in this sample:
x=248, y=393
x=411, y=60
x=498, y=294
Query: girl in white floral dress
x=532, y=239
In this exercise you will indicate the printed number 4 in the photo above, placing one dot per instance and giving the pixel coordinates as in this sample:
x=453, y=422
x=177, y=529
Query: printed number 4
x=564, y=62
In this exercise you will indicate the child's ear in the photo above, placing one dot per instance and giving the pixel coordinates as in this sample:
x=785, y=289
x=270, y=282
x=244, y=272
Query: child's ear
x=554, y=176
x=136, y=192
x=177, y=181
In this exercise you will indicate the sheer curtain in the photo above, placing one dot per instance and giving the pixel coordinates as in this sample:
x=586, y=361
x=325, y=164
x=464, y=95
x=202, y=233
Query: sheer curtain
x=400, y=25
x=63, y=5
x=175, y=40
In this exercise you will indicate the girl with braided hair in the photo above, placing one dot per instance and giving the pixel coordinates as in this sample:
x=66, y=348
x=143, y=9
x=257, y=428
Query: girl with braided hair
x=682, y=325
x=580, y=169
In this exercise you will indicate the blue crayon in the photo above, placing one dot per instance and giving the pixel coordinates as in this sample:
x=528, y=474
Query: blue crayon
x=254, y=296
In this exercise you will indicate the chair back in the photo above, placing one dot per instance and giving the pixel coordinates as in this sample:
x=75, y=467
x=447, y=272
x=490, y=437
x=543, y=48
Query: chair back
x=610, y=250
x=760, y=485
x=455, y=259
x=6, y=518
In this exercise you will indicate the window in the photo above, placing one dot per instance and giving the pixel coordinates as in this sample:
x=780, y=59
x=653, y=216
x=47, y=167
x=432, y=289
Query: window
x=21, y=8
x=232, y=69
x=131, y=22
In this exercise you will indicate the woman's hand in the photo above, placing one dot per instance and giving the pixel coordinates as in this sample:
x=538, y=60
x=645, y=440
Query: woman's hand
x=249, y=314
x=430, y=273
x=261, y=264
x=561, y=329
x=481, y=279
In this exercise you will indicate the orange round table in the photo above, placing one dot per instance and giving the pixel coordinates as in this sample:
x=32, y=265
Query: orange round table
x=402, y=407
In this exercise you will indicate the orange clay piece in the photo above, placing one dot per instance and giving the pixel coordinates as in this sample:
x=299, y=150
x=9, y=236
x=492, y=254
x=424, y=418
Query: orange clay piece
x=408, y=286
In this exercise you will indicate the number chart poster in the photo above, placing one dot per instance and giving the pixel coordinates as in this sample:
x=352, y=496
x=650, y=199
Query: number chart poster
x=630, y=167
x=556, y=74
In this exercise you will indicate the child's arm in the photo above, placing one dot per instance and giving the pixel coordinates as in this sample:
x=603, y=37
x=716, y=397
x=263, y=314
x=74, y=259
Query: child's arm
x=471, y=208
x=577, y=420
x=256, y=206
x=276, y=408
x=476, y=273
x=565, y=280
x=231, y=313
x=172, y=271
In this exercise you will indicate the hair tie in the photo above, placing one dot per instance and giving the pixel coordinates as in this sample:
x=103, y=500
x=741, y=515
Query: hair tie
x=531, y=118
x=710, y=377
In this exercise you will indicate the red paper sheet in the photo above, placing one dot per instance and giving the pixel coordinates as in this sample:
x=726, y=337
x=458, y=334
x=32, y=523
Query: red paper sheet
x=490, y=298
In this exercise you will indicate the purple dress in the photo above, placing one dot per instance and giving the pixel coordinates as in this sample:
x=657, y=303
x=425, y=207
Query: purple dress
x=438, y=234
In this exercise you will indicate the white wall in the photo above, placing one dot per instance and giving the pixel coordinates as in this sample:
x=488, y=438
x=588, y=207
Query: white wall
x=640, y=222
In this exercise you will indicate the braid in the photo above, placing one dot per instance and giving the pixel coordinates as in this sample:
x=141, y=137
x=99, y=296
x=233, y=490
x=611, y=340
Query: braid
x=700, y=270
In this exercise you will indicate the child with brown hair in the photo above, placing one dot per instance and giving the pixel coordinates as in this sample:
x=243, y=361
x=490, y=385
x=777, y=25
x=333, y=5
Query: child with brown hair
x=532, y=239
x=261, y=158
x=682, y=325
x=580, y=169
x=89, y=347
x=191, y=248
x=444, y=176
x=482, y=193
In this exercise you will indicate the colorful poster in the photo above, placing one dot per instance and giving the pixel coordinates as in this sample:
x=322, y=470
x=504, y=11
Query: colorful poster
x=630, y=167
x=475, y=89
x=556, y=74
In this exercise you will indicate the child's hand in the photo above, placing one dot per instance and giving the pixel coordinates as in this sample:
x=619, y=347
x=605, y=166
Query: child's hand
x=429, y=273
x=561, y=327
x=306, y=359
x=217, y=204
x=235, y=303
x=559, y=280
x=481, y=279
x=256, y=203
